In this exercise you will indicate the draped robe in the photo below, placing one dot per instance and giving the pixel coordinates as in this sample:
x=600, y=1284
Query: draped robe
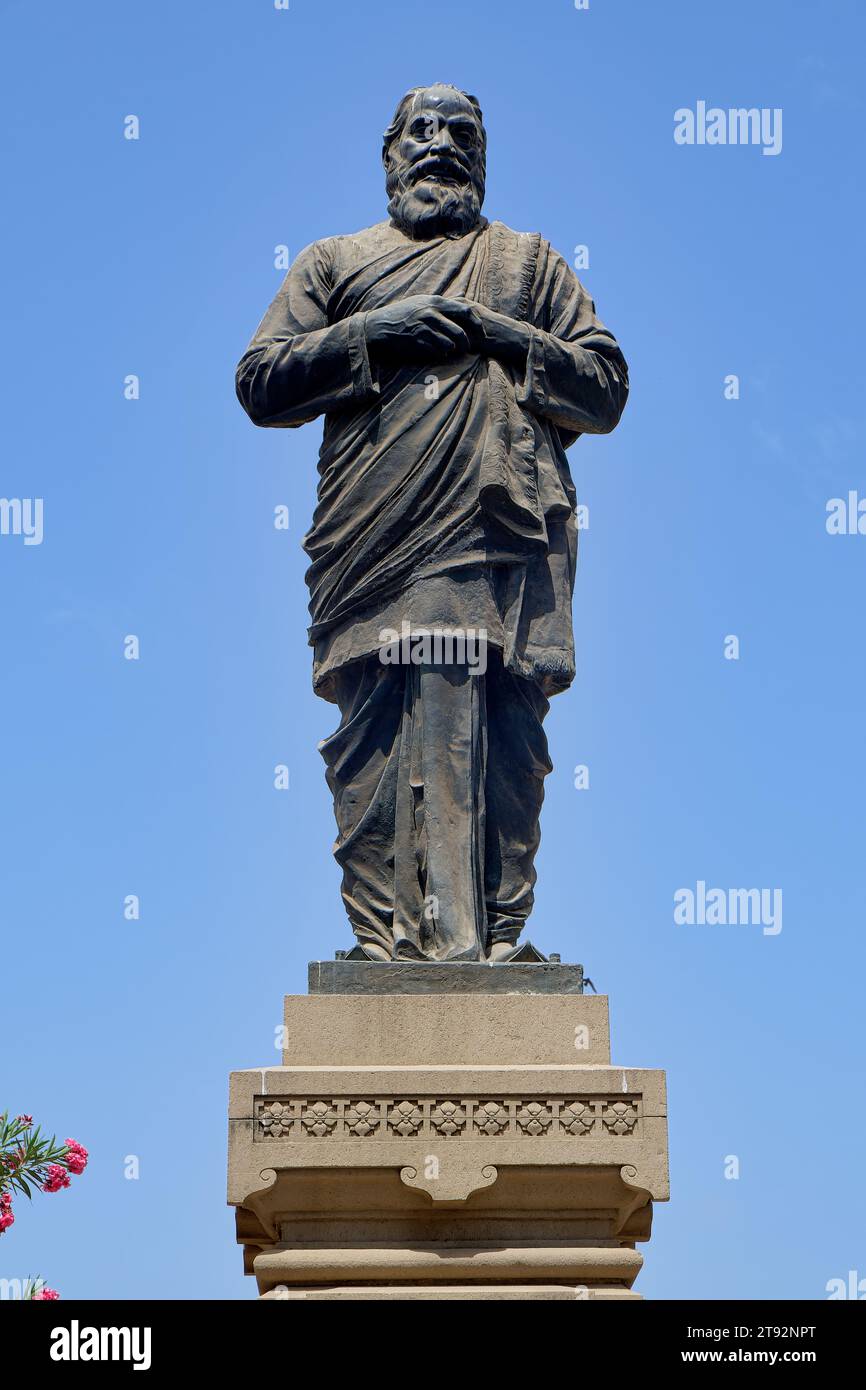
x=444, y=492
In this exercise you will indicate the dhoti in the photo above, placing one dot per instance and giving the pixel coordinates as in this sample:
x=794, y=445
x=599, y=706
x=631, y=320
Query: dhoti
x=437, y=776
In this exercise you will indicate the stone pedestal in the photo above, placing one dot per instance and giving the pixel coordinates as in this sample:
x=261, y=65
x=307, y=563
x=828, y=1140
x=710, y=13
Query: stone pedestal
x=449, y=1143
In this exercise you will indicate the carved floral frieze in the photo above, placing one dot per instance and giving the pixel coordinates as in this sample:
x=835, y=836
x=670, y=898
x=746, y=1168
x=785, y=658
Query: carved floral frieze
x=447, y=1117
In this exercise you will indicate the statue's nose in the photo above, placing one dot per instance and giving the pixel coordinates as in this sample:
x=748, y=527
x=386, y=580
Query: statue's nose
x=444, y=140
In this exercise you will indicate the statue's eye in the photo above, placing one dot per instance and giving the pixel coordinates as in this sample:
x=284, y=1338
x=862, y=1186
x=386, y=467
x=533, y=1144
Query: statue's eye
x=423, y=129
x=465, y=136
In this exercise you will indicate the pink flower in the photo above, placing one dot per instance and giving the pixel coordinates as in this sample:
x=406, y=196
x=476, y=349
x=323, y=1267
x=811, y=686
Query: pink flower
x=45, y=1296
x=55, y=1179
x=6, y=1219
x=24, y=1119
x=5, y=1199
x=76, y=1156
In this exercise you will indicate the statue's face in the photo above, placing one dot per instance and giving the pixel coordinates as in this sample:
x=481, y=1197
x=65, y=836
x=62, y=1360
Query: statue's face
x=436, y=174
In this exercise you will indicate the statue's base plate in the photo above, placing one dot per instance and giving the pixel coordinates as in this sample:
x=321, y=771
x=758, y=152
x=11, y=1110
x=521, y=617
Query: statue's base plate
x=442, y=977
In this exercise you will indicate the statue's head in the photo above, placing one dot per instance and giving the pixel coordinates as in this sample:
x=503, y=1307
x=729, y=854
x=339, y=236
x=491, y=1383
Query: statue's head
x=434, y=155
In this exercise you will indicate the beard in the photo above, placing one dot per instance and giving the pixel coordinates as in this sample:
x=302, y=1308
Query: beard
x=429, y=208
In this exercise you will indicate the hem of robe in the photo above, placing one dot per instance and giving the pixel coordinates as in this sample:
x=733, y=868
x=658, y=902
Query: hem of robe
x=470, y=599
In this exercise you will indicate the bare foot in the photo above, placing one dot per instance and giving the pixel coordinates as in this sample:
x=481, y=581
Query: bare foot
x=501, y=950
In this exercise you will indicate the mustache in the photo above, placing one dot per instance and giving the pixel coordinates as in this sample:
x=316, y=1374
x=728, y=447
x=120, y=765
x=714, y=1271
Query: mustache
x=442, y=167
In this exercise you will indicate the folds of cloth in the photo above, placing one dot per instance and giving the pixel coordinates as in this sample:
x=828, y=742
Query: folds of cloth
x=437, y=773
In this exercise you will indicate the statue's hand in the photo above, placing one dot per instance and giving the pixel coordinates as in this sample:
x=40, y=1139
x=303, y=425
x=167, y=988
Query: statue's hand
x=497, y=335
x=424, y=327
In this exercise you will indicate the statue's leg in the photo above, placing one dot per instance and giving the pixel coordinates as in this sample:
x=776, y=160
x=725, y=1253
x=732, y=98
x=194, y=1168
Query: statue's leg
x=439, y=835
x=406, y=770
x=517, y=764
x=362, y=760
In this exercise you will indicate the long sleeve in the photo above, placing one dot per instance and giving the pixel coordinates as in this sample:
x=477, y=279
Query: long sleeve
x=576, y=376
x=299, y=366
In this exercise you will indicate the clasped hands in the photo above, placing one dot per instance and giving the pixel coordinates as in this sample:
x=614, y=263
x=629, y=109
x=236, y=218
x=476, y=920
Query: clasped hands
x=434, y=327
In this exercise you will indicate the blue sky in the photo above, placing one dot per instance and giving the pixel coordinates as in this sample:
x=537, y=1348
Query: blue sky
x=154, y=777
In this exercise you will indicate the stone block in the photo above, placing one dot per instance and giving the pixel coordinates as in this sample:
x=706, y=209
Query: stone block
x=445, y=1145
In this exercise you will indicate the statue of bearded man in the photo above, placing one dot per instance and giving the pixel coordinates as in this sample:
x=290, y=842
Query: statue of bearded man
x=454, y=361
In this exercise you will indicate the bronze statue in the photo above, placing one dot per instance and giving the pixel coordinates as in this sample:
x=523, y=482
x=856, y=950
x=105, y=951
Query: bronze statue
x=454, y=361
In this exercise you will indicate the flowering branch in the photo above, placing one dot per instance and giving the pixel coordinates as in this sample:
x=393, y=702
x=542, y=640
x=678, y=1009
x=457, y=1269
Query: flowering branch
x=27, y=1160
